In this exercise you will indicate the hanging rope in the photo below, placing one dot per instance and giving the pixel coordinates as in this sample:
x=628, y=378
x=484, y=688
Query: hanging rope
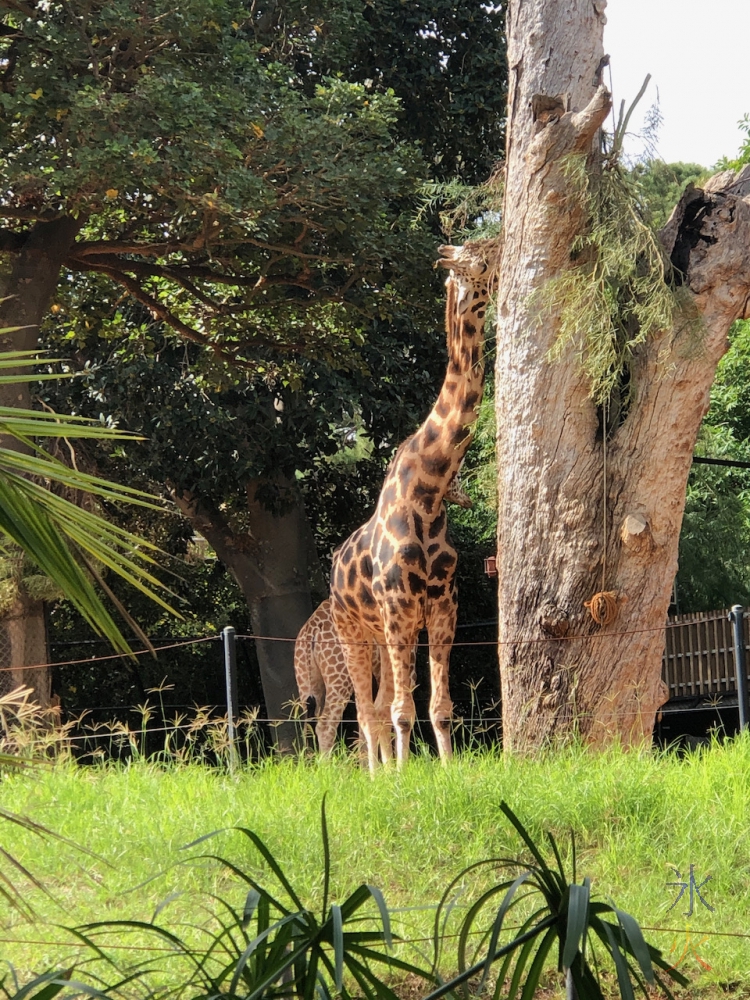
x=604, y=604
x=603, y=607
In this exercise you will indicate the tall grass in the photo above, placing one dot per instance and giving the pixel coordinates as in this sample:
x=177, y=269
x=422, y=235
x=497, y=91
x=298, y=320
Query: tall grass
x=409, y=833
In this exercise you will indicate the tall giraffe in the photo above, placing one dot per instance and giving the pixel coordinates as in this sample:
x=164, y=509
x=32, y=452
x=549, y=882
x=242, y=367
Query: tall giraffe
x=396, y=574
x=323, y=681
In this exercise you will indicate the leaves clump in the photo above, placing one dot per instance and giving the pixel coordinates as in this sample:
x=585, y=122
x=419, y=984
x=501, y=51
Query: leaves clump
x=620, y=289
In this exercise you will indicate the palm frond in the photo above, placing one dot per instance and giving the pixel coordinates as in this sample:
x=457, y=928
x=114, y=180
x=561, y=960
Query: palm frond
x=61, y=538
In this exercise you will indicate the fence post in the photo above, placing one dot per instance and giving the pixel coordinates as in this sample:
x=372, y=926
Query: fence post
x=736, y=616
x=230, y=666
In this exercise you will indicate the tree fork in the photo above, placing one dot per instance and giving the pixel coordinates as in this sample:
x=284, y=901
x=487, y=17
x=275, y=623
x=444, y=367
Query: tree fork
x=562, y=673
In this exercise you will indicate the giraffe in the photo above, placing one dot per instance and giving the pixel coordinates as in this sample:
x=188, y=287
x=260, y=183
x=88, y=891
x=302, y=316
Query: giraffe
x=396, y=574
x=322, y=678
x=323, y=681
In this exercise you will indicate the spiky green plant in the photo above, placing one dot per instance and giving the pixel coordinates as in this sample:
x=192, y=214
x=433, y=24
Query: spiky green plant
x=567, y=915
x=276, y=946
x=464, y=211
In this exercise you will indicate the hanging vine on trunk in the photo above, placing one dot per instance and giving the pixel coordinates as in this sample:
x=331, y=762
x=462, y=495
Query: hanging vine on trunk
x=619, y=290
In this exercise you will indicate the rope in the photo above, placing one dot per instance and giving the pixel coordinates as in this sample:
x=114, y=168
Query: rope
x=509, y=642
x=607, y=596
x=459, y=723
x=405, y=941
x=110, y=656
x=603, y=606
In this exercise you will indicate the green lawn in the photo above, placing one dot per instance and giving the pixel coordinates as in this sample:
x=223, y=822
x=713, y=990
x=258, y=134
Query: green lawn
x=409, y=833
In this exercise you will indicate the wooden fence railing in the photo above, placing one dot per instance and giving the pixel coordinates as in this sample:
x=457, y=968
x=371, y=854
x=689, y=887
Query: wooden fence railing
x=698, y=658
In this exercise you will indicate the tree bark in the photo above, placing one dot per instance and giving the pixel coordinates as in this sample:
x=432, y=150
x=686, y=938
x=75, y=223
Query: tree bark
x=24, y=632
x=562, y=673
x=275, y=565
x=27, y=293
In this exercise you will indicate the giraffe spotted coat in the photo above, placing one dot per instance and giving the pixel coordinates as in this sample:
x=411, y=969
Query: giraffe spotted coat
x=396, y=573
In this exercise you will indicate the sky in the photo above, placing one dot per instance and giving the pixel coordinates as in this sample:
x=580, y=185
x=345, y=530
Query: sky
x=698, y=55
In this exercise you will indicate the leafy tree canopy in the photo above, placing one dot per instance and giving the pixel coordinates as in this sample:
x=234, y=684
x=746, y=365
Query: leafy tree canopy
x=246, y=177
x=242, y=209
x=661, y=184
x=446, y=62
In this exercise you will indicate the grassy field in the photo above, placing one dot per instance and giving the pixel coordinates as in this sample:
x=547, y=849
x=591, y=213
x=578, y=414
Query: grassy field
x=409, y=833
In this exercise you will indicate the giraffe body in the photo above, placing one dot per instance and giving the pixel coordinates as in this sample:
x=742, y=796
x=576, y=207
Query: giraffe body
x=396, y=573
x=323, y=680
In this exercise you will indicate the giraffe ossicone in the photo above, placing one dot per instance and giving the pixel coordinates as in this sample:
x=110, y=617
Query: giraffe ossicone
x=396, y=574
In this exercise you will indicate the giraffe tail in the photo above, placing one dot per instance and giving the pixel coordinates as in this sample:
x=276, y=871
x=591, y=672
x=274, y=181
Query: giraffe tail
x=309, y=679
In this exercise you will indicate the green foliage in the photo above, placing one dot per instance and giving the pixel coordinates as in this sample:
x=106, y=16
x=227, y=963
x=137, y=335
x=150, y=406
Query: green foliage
x=566, y=914
x=660, y=186
x=464, y=211
x=730, y=393
x=277, y=945
x=250, y=177
x=618, y=291
x=633, y=813
x=18, y=575
x=714, y=556
x=17, y=898
x=445, y=60
x=184, y=677
x=249, y=211
x=743, y=156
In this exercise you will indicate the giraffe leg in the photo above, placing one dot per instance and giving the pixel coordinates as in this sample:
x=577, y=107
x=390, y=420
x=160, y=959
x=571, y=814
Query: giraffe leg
x=381, y=669
x=313, y=708
x=402, y=707
x=359, y=664
x=330, y=718
x=441, y=627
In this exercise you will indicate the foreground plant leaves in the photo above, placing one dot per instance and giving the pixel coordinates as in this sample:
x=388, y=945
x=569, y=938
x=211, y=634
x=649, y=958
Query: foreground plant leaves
x=567, y=915
x=274, y=945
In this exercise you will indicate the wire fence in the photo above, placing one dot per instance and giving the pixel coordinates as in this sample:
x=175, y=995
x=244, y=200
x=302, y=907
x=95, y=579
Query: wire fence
x=475, y=722
x=516, y=641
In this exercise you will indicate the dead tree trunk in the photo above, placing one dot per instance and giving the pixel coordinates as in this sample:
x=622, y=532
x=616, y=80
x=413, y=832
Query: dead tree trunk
x=560, y=671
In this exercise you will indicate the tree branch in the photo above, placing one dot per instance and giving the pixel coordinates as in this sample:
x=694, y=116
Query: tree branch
x=161, y=312
x=11, y=242
x=97, y=247
x=294, y=252
x=157, y=309
x=28, y=10
x=28, y=214
x=561, y=132
x=181, y=273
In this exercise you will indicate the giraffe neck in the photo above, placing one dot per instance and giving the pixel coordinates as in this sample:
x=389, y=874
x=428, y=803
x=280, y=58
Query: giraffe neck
x=446, y=434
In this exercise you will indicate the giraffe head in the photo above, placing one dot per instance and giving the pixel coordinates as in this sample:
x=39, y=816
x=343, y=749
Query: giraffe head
x=468, y=261
x=470, y=278
x=471, y=274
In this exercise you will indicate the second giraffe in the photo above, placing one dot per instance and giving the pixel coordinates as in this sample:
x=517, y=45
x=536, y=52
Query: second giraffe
x=396, y=574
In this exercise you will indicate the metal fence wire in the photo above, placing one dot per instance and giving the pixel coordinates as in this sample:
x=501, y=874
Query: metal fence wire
x=700, y=668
